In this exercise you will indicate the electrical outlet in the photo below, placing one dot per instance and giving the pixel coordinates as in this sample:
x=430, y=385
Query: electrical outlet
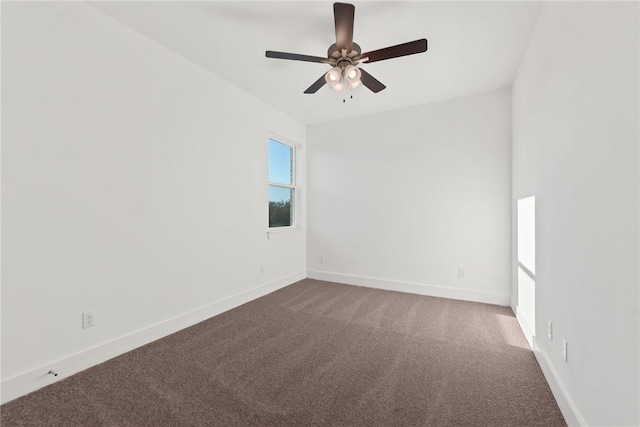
x=461, y=273
x=550, y=330
x=88, y=319
x=564, y=351
x=321, y=259
x=262, y=269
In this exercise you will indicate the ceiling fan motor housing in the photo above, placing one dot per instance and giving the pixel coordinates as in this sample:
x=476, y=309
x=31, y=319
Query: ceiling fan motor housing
x=334, y=52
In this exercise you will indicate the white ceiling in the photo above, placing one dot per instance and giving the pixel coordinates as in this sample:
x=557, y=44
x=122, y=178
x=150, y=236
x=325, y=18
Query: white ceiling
x=474, y=47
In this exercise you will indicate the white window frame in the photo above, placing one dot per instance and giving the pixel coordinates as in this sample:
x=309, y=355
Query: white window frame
x=293, y=186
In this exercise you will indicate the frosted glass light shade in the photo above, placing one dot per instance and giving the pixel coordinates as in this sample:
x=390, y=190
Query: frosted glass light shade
x=354, y=85
x=353, y=75
x=338, y=86
x=333, y=76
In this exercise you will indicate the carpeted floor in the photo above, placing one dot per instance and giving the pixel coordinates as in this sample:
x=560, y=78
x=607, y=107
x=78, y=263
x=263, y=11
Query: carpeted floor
x=315, y=354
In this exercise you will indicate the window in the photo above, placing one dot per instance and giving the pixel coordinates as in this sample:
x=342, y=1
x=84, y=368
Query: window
x=282, y=184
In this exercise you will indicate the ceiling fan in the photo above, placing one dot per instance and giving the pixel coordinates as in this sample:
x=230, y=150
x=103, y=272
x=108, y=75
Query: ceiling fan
x=344, y=56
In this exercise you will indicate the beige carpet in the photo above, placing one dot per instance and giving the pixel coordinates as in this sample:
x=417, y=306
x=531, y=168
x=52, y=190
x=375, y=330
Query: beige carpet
x=315, y=353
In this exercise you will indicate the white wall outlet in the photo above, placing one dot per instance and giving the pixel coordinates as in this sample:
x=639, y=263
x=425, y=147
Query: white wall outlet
x=564, y=350
x=321, y=259
x=262, y=269
x=461, y=273
x=88, y=319
x=550, y=330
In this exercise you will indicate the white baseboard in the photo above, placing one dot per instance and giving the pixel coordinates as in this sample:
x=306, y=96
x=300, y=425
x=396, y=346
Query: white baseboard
x=527, y=330
x=571, y=414
x=413, y=288
x=29, y=381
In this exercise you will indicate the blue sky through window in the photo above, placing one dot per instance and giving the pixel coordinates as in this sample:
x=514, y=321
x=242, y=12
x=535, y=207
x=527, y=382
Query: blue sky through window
x=280, y=156
x=279, y=194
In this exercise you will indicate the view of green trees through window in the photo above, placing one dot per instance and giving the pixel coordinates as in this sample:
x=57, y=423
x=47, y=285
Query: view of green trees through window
x=281, y=184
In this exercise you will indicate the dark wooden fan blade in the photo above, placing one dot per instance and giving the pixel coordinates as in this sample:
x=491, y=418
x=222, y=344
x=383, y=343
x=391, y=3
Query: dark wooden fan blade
x=317, y=85
x=404, y=49
x=371, y=82
x=343, y=14
x=294, y=56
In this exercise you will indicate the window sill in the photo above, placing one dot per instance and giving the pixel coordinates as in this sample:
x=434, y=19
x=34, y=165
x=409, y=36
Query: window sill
x=282, y=230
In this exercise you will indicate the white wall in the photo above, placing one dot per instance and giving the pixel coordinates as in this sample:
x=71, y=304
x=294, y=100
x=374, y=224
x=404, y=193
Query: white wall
x=402, y=200
x=575, y=147
x=134, y=183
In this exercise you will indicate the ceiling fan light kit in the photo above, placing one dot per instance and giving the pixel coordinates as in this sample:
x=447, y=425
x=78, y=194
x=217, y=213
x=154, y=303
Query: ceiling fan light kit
x=336, y=77
x=345, y=55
